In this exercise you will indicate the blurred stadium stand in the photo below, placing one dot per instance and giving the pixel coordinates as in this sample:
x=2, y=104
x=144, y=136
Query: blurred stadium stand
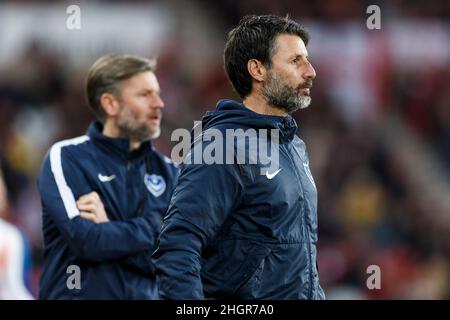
x=378, y=130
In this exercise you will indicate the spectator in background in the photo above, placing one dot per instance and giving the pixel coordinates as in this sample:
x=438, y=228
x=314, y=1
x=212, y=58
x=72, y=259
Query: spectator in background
x=104, y=194
x=12, y=255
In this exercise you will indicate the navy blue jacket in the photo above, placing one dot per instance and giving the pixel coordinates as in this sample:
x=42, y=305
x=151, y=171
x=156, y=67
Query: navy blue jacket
x=115, y=257
x=232, y=232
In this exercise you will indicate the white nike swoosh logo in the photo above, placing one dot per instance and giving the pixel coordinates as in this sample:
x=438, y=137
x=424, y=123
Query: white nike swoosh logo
x=272, y=175
x=103, y=178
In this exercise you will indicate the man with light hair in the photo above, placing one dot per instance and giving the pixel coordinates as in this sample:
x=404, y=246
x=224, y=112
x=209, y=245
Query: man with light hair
x=104, y=194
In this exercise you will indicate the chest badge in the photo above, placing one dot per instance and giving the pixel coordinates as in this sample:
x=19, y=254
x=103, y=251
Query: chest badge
x=155, y=184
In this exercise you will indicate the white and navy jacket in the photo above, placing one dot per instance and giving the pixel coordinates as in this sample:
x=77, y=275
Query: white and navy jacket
x=112, y=260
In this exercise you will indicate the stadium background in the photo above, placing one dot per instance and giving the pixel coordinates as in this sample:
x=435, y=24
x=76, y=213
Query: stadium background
x=378, y=130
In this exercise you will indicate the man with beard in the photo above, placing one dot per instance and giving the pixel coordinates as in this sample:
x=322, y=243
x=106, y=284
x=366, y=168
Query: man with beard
x=104, y=194
x=234, y=230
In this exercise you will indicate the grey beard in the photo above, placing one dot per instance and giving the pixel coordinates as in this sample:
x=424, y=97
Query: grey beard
x=290, y=103
x=284, y=97
x=138, y=134
x=128, y=128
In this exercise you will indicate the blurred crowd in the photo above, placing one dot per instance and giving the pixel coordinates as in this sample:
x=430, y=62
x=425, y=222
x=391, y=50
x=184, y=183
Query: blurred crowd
x=378, y=132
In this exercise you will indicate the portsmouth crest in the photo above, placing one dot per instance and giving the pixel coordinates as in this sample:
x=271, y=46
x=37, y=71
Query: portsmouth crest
x=155, y=184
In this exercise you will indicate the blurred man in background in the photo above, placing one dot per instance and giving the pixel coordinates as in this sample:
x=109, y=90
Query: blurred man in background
x=12, y=255
x=232, y=231
x=104, y=194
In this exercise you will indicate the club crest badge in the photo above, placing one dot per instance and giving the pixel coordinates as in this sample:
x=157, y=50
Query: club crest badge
x=155, y=184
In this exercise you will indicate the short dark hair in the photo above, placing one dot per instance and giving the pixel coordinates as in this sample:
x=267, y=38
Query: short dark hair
x=254, y=38
x=106, y=74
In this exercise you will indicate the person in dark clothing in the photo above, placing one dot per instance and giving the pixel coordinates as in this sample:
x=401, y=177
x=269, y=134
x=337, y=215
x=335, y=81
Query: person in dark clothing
x=241, y=230
x=104, y=194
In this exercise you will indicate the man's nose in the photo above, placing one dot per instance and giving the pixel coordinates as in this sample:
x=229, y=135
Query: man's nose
x=158, y=103
x=310, y=73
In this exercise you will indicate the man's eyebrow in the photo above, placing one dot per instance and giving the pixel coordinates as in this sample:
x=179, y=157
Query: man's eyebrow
x=299, y=56
x=149, y=90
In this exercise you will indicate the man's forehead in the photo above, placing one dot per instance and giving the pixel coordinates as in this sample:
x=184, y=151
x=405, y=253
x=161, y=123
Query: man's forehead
x=290, y=44
x=146, y=78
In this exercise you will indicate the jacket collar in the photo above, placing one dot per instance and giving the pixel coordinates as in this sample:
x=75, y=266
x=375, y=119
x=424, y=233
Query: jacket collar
x=117, y=146
x=234, y=113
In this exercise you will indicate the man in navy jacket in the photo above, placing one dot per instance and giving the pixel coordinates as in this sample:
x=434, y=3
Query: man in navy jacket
x=104, y=194
x=240, y=229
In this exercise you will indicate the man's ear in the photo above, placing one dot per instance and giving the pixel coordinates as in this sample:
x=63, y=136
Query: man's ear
x=109, y=104
x=257, y=70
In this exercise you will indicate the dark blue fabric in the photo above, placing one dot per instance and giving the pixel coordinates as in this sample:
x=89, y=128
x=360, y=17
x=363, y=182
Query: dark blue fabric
x=114, y=257
x=231, y=232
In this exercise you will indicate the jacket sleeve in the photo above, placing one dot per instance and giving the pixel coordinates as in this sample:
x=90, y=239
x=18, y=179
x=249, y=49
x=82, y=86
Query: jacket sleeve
x=140, y=263
x=204, y=197
x=60, y=182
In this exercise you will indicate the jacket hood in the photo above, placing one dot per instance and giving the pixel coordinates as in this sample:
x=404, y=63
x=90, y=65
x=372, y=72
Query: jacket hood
x=233, y=114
